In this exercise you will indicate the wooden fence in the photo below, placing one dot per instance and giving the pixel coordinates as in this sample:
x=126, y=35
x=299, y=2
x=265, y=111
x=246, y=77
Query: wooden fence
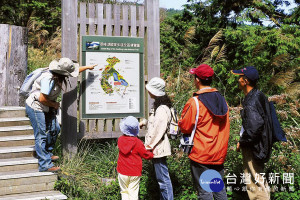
x=108, y=20
x=13, y=63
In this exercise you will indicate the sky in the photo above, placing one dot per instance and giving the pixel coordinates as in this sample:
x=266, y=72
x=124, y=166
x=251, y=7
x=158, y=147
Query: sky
x=176, y=4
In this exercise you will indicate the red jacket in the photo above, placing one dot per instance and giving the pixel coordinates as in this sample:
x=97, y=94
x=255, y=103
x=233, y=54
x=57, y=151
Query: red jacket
x=212, y=132
x=131, y=152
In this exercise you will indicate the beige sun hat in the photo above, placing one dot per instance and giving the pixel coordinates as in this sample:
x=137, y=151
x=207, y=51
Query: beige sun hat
x=65, y=66
x=156, y=86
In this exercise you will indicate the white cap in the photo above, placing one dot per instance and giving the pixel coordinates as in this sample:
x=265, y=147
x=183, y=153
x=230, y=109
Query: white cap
x=156, y=86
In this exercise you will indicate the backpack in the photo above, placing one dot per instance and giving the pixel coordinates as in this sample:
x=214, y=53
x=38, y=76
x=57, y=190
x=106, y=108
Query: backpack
x=172, y=128
x=29, y=80
x=277, y=133
x=173, y=125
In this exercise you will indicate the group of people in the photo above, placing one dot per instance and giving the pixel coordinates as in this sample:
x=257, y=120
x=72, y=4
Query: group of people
x=210, y=139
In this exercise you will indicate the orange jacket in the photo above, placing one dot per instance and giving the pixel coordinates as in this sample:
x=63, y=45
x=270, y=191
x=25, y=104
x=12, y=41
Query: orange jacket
x=212, y=132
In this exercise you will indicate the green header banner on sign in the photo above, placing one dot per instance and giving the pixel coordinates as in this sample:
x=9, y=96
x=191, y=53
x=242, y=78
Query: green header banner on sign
x=113, y=44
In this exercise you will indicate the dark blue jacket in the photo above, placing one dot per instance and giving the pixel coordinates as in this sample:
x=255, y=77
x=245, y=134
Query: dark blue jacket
x=257, y=123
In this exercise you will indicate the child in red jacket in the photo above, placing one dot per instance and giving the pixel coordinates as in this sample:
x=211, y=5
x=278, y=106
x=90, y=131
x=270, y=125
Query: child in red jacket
x=131, y=152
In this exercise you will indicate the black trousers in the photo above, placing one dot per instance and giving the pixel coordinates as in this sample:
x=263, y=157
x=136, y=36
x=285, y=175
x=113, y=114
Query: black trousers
x=197, y=169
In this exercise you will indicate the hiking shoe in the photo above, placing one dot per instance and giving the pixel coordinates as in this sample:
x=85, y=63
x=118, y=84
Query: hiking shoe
x=53, y=169
x=54, y=158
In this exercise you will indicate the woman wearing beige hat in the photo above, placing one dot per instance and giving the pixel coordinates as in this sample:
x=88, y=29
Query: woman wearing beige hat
x=156, y=138
x=41, y=107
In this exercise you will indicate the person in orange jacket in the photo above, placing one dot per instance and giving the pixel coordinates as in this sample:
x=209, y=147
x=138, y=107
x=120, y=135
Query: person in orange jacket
x=211, y=137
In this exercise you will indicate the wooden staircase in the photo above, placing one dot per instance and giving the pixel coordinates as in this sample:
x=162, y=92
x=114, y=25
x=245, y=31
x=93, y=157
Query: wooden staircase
x=19, y=175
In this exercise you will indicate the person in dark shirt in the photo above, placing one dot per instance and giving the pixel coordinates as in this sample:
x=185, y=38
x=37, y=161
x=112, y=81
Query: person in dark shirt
x=256, y=134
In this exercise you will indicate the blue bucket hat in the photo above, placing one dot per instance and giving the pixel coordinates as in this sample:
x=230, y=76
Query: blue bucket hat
x=250, y=72
x=130, y=126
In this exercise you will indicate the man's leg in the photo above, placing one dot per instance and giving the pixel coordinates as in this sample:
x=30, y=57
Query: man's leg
x=53, y=131
x=257, y=189
x=38, y=122
x=197, y=169
x=163, y=178
x=222, y=195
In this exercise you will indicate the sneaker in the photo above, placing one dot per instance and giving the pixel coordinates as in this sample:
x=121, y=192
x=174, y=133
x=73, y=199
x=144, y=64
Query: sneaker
x=53, y=169
x=54, y=158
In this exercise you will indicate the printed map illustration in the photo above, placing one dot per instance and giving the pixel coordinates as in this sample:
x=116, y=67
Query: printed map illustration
x=113, y=86
x=112, y=80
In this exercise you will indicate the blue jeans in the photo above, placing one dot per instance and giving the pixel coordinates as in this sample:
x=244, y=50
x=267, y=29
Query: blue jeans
x=163, y=178
x=46, y=129
x=197, y=169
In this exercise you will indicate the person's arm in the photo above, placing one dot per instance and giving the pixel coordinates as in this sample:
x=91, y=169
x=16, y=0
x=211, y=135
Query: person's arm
x=144, y=153
x=46, y=86
x=253, y=125
x=83, y=68
x=187, y=120
x=45, y=101
x=157, y=129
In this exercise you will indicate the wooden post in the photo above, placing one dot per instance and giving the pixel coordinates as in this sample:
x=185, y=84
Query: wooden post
x=13, y=64
x=153, y=42
x=69, y=100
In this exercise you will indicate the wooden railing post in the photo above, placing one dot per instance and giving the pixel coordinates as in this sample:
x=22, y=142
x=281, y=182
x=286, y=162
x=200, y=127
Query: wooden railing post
x=69, y=99
x=153, y=41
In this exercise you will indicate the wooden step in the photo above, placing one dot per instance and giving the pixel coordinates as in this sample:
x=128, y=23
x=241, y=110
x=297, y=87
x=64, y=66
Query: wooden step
x=12, y=111
x=15, y=121
x=18, y=140
x=16, y=164
x=17, y=152
x=15, y=182
x=16, y=130
x=49, y=195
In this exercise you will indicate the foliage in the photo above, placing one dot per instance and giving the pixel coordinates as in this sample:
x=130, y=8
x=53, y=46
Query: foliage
x=271, y=51
x=83, y=175
x=42, y=56
x=18, y=12
x=232, y=12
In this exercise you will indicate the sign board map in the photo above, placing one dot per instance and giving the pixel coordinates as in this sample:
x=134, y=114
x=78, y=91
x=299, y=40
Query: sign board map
x=114, y=89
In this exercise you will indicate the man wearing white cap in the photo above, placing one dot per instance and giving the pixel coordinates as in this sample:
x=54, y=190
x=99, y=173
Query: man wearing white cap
x=41, y=107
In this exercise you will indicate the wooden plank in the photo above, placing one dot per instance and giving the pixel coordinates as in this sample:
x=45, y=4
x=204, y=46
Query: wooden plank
x=133, y=20
x=17, y=65
x=141, y=21
x=92, y=126
x=82, y=18
x=4, y=44
x=82, y=128
x=99, y=9
x=100, y=123
x=153, y=42
x=91, y=15
x=125, y=20
x=117, y=23
x=108, y=125
x=11, y=95
x=13, y=64
x=69, y=98
x=117, y=125
x=108, y=17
